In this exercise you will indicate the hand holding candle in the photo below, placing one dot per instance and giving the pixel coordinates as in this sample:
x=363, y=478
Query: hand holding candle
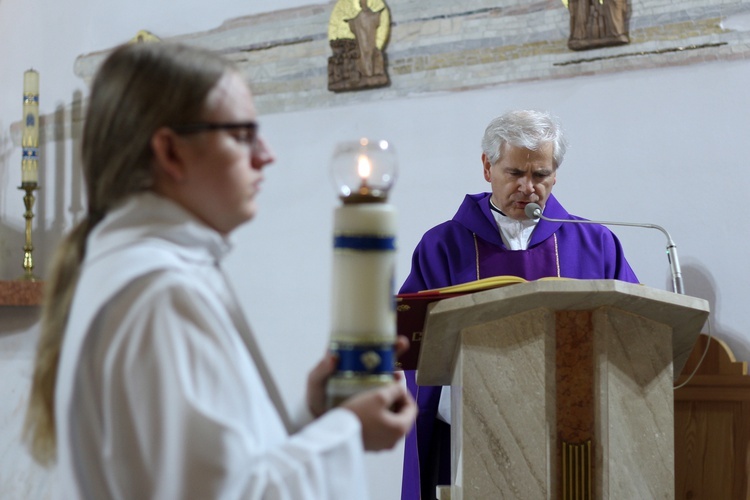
x=363, y=329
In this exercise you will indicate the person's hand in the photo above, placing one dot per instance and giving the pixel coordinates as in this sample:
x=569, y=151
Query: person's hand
x=386, y=413
x=316, y=384
x=318, y=377
x=401, y=346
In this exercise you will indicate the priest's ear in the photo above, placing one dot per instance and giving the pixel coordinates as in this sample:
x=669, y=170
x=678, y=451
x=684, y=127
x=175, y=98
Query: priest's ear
x=486, y=166
x=168, y=157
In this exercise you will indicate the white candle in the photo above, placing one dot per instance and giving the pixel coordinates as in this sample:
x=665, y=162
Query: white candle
x=364, y=273
x=30, y=138
x=364, y=317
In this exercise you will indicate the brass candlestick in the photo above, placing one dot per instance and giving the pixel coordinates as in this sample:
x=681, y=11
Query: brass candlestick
x=28, y=248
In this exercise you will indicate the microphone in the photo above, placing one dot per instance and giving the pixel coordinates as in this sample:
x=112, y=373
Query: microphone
x=534, y=211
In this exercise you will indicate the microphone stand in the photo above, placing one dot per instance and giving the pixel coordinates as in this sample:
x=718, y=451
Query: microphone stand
x=534, y=211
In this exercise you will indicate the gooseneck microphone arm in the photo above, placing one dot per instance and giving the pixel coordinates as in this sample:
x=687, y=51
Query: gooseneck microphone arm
x=534, y=211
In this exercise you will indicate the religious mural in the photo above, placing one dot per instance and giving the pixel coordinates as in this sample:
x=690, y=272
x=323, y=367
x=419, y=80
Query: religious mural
x=597, y=23
x=357, y=31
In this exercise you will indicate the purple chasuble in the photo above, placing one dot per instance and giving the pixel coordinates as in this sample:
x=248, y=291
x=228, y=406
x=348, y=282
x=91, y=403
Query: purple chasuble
x=470, y=247
x=531, y=264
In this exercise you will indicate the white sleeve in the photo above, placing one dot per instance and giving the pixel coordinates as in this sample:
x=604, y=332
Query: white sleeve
x=185, y=414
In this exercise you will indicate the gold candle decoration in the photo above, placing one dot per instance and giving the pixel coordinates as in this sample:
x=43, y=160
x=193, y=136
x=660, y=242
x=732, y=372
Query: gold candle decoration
x=30, y=138
x=363, y=331
x=28, y=247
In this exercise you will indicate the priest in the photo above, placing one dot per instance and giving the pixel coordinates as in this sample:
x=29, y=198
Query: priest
x=491, y=235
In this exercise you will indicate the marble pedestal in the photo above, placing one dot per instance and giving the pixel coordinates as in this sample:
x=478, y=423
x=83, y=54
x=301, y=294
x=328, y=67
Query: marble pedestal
x=561, y=389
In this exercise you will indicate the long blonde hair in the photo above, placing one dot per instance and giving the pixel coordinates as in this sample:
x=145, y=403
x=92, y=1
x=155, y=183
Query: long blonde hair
x=138, y=89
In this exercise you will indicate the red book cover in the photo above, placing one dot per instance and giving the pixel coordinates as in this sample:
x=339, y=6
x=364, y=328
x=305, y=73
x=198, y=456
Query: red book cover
x=412, y=309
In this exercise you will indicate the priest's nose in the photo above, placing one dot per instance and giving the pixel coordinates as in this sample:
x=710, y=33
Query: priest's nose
x=526, y=186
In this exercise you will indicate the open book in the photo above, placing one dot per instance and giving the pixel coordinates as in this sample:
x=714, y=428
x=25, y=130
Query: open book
x=412, y=308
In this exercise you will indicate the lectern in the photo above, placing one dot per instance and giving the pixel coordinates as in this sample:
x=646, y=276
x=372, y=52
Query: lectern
x=561, y=389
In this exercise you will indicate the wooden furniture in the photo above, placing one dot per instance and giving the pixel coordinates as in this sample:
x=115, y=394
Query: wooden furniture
x=561, y=389
x=712, y=425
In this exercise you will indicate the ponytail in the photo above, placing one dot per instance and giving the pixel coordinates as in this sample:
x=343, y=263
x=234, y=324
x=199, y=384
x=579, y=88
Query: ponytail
x=39, y=427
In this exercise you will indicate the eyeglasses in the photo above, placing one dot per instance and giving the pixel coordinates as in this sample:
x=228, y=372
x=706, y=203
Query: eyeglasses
x=245, y=132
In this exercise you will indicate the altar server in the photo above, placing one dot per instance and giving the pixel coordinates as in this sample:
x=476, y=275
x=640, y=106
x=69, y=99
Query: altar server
x=148, y=380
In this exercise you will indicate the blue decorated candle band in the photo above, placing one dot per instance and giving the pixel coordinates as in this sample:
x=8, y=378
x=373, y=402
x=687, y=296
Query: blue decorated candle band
x=364, y=358
x=30, y=154
x=364, y=243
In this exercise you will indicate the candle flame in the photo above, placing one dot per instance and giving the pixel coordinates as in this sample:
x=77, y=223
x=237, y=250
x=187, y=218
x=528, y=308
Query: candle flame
x=364, y=167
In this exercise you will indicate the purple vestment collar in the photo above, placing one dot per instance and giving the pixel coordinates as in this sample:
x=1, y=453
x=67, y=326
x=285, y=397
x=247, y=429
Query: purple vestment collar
x=475, y=211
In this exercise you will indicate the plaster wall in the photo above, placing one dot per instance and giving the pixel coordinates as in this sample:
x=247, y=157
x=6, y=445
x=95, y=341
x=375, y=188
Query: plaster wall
x=664, y=144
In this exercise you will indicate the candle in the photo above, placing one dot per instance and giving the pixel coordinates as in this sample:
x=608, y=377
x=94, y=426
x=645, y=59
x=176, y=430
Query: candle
x=363, y=331
x=30, y=138
x=363, y=270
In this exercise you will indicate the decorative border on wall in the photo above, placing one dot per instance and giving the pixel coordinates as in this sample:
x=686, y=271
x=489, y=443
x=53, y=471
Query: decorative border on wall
x=448, y=46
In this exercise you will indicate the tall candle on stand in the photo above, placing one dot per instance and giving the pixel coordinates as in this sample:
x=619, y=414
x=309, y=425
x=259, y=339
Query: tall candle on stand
x=30, y=137
x=29, y=163
x=363, y=331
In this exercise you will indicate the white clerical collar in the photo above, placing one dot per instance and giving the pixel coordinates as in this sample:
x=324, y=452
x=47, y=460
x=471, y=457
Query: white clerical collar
x=515, y=233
